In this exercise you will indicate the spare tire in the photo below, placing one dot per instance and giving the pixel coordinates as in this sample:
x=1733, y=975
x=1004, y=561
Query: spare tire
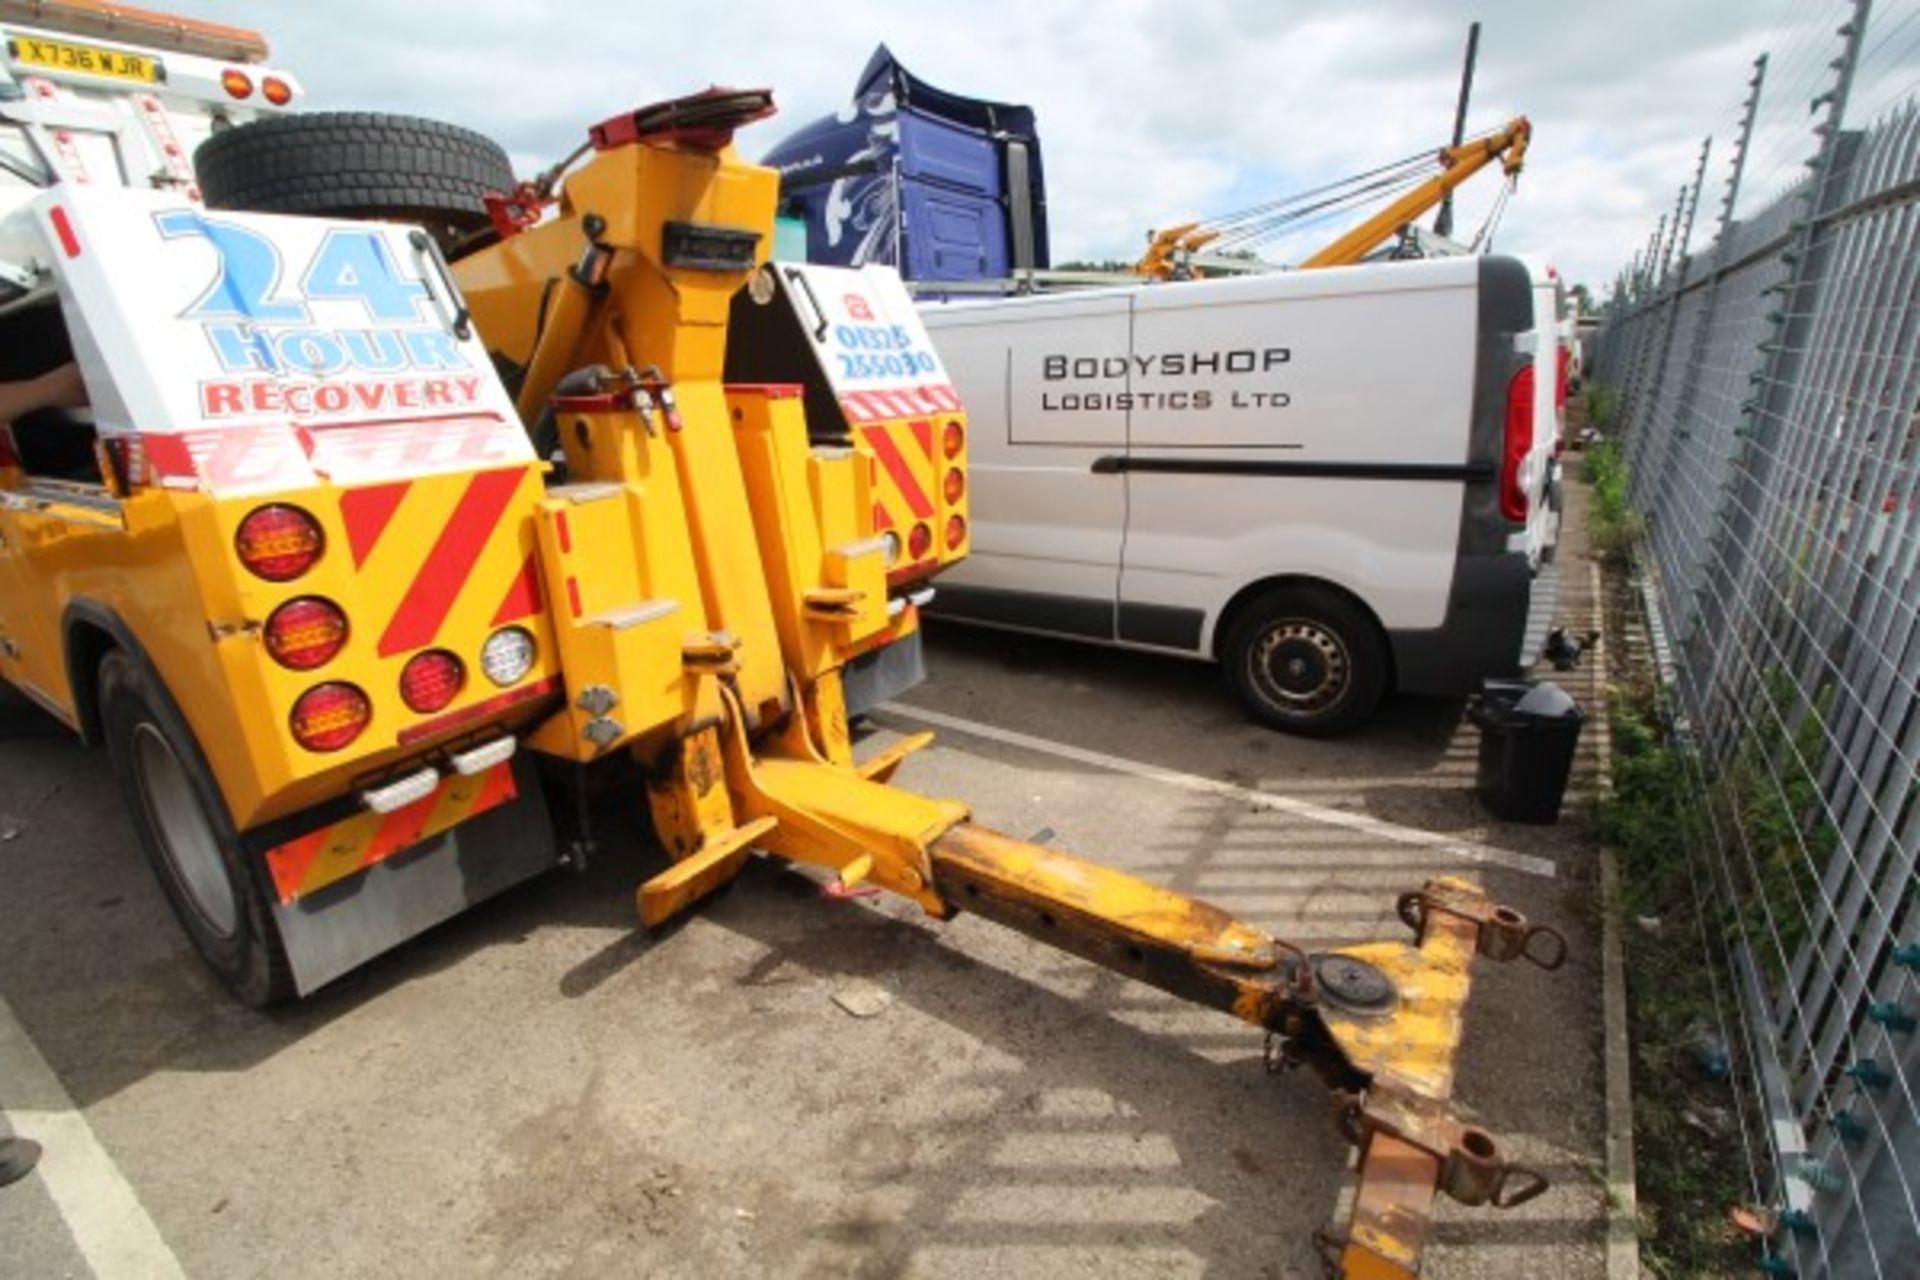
x=357, y=164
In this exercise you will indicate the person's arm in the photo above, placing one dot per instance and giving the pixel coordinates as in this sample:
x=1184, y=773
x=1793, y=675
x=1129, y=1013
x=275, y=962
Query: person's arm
x=60, y=388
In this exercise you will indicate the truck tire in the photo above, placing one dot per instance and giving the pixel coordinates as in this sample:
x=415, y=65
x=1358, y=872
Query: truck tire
x=357, y=164
x=1305, y=661
x=186, y=835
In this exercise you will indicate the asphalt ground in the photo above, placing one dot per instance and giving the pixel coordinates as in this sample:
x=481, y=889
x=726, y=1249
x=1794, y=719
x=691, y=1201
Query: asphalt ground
x=539, y=1088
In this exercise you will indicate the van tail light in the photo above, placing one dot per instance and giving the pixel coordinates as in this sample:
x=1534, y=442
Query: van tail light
x=329, y=716
x=956, y=532
x=919, y=541
x=431, y=680
x=1519, y=443
x=1560, y=379
x=305, y=632
x=953, y=438
x=955, y=485
x=278, y=542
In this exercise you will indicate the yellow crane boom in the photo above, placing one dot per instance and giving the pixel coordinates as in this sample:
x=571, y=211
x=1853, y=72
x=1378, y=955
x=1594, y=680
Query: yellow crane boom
x=1507, y=144
x=1169, y=250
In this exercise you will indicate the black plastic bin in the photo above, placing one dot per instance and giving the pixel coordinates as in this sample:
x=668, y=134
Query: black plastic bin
x=1527, y=736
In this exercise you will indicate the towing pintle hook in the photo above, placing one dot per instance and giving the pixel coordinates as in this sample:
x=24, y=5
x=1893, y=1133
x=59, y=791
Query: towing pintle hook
x=1504, y=934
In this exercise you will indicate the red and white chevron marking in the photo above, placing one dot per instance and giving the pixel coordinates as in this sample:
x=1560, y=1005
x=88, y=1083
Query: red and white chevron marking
x=910, y=402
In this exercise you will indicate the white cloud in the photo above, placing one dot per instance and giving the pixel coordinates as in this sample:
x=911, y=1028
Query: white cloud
x=1147, y=111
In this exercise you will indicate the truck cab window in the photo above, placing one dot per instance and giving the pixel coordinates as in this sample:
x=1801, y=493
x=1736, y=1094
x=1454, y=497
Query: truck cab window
x=42, y=399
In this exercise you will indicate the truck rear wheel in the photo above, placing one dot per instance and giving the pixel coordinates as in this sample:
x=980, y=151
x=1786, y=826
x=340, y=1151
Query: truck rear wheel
x=357, y=164
x=186, y=835
x=1305, y=661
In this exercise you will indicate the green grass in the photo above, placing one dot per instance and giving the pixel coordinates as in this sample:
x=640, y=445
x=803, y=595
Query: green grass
x=1602, y=404
x=1613, y=526
x=1690, y=1170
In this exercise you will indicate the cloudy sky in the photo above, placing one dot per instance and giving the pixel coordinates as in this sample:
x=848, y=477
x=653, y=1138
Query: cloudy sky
x=1147, y=111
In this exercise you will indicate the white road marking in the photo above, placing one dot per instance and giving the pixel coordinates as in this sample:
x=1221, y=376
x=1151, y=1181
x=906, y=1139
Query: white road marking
x=1466, y=850
x=107, y=1220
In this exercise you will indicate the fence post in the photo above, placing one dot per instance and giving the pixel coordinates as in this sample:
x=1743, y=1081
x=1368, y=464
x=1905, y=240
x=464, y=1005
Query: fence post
x=1634, y=437
x=1731, y=564
x=1669, y=327
x=1697, y=353
x=1737, y=564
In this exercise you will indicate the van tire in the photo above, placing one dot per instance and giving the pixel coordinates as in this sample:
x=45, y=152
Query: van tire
x=186, y=835
x=357, y=164
x=1305, y=661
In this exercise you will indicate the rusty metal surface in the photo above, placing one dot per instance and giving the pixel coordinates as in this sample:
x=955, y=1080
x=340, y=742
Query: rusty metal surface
x=1179, y=944
x=1391, y=1212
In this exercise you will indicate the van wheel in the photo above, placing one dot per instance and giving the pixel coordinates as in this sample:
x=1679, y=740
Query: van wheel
x=1305, y=661
x=357, y=164
x=186, y=834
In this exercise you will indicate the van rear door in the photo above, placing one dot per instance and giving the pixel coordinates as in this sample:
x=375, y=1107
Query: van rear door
x=1549, y=335
x=1047, y=524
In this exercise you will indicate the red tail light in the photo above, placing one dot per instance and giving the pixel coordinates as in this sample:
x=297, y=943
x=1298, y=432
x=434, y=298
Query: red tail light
x=956, y=532
x=953, y=439
x=1560, y=381
x=278, y=542
x=305, y=632
x=955, y=485
x=238, y=84
x=431, y=680
x=329, y=716
x=1519, y=443
x=276, y=91
x=919, y=542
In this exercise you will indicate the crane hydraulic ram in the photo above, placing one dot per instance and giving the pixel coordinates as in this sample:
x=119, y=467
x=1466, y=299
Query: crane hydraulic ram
x=709, y=566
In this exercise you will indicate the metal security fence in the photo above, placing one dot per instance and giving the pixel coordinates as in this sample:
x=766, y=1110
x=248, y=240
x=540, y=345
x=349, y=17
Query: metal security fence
x=1767, y=368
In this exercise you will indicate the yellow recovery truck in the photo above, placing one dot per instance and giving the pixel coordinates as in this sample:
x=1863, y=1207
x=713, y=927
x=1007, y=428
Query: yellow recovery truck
x=312, y=585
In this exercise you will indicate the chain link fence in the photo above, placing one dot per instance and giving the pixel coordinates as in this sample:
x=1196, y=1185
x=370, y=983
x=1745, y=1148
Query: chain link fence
x=1767, y=374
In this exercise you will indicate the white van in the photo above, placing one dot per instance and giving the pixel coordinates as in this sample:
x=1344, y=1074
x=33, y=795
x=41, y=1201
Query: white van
x=1335, y=482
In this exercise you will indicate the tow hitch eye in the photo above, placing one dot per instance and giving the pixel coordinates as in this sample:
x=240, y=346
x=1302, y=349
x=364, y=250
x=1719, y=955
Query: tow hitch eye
x=1504, y=934
x=1401, y=1045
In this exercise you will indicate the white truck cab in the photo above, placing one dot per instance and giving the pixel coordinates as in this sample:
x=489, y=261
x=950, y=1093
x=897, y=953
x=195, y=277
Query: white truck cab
x=1336, y=482
x=99, y=94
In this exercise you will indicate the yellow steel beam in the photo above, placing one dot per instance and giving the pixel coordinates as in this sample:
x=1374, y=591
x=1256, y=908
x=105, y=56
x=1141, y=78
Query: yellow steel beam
x=1188, y=947
x=1379, y=1021
x=1391, y=1210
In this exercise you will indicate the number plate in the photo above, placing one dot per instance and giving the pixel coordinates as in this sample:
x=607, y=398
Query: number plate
x=58, y=55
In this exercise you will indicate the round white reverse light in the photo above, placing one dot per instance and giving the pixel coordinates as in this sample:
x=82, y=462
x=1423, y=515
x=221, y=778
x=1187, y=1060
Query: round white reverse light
x=507, y=655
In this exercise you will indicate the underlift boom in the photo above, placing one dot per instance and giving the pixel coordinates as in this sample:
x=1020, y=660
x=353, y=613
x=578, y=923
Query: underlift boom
x=710, y=567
